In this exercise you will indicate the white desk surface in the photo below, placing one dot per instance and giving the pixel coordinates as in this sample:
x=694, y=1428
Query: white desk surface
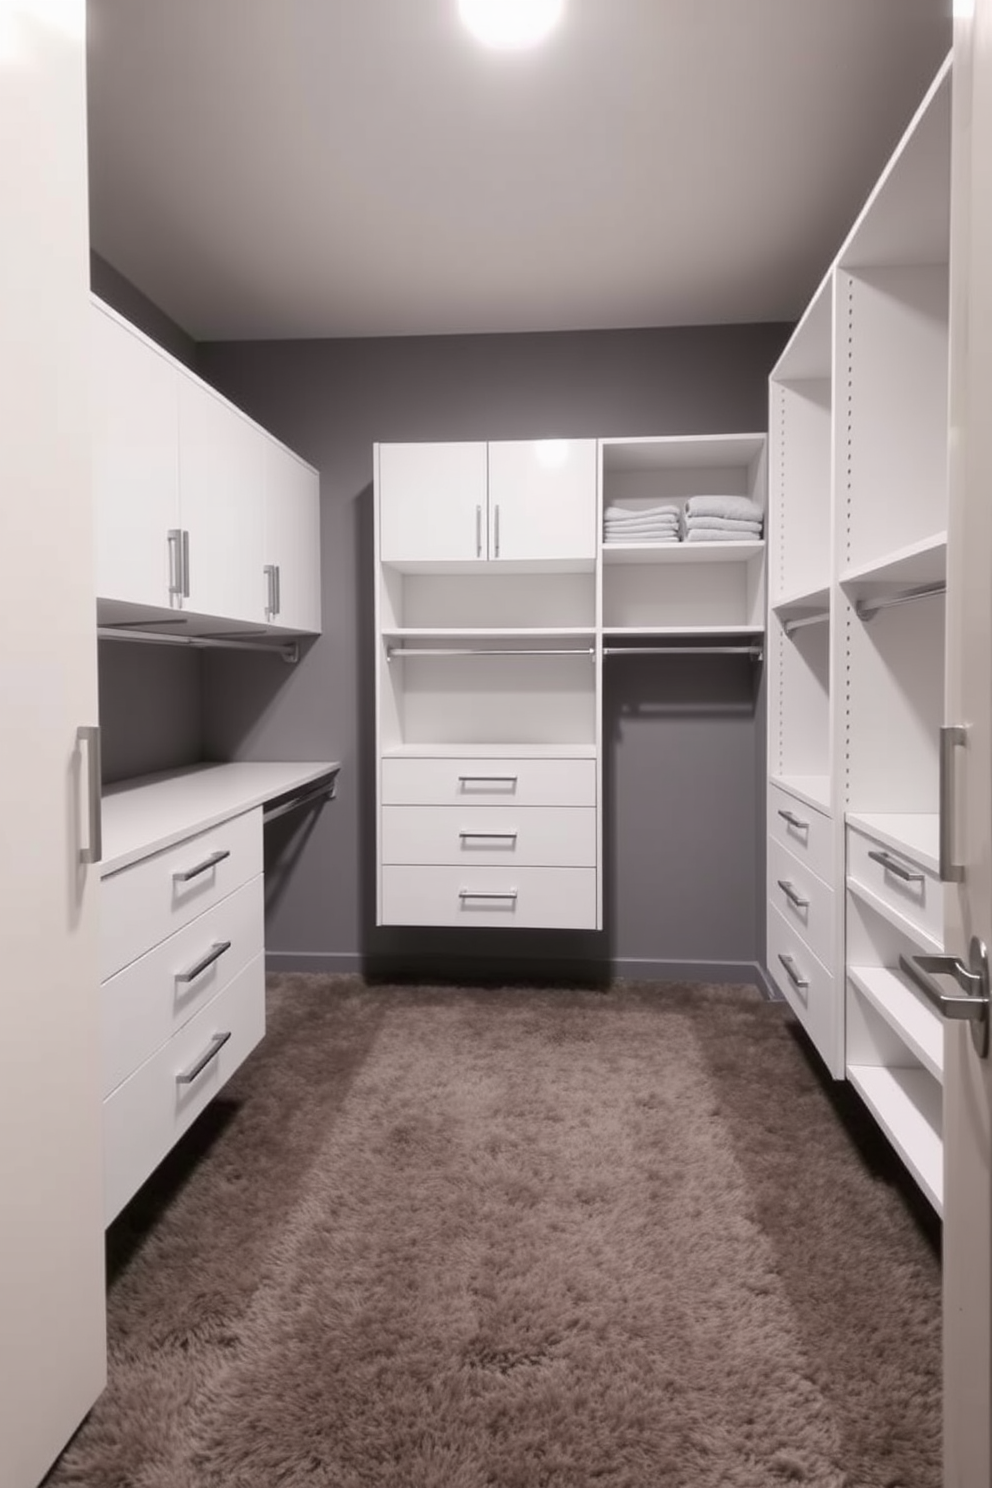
x=151, y=812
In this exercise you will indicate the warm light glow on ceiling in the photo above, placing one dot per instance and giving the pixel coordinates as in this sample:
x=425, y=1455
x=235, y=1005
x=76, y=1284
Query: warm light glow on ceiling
x=511, y=25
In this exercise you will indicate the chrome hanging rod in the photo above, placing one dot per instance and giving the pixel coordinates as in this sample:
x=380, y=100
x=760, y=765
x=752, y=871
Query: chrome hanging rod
x=325, y=790
x=288, y=650
x=393, y=653
x=866, y=608
x=755, y=652
x=801, y=621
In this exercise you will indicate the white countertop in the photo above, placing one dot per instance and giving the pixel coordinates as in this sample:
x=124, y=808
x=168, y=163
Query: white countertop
x=151, y=812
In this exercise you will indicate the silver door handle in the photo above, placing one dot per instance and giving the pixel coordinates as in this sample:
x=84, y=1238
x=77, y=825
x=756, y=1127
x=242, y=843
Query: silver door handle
x=204, y=867
x=496, y=531
x=270, y=578
x=481, y=894
x=795, y=977
x=491, y=779
x=490, y=836
x=89, y=735
x=216, y=1044
x=892, y=865
x=973, y=980
x=278, y=589
x=214, y=954
x=185, y=568
x=175, y=539
x=791, y=895
x=793, y=820
x=478, y=532
x=952, y=736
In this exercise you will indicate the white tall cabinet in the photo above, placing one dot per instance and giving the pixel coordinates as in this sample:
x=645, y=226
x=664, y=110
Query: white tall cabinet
x=51, y=1282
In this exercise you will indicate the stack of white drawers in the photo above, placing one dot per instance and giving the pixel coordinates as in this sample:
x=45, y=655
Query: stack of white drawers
x=801, y=910
x=183, y=990
x=491, y=842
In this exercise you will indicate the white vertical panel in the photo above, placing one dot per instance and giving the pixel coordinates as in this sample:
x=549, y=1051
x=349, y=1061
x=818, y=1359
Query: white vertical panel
x=542, y=499
x=292, y=536
x=432, y=502
x=51, y=1222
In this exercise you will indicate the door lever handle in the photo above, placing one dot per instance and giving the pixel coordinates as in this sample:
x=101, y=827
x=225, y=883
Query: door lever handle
x=972, y=1005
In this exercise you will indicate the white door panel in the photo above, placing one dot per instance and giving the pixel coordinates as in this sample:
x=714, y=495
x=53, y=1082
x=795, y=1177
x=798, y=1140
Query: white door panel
x=292, y=537
x=432, y=502
x=542, y=499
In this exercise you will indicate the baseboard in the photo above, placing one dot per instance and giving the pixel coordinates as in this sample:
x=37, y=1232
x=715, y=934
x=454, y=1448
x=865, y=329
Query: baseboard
x=431, y=968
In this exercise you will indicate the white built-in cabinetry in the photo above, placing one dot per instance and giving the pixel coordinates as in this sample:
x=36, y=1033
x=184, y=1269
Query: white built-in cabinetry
x=496, y=604
x=857, y=568
x=198, y=510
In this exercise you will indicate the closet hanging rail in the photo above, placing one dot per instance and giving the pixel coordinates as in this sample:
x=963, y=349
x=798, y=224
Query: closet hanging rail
x=288, y=650
x=324, y=790
x=394, y=653
x=754, y=652
x=867, y=608
x=801, y=621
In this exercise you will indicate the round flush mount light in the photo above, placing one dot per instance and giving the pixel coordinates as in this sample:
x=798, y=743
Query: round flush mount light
x=511, y=25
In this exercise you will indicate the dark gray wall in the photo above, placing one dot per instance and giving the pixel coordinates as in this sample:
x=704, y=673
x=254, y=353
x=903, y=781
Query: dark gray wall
x=122, y=296
x=684, y=741
x=151, y=716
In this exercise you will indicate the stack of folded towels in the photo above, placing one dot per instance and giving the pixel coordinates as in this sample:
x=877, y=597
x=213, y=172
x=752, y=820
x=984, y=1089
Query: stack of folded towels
x=721, y=519
x=652, y=524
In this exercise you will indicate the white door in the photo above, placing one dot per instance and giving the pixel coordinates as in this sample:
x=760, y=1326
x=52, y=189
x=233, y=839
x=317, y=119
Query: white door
x=222, y=505
x=968, y=1077
x=135, y=410
x=432, y=502
x=292, y=540
x=52, y=1351
x=542, y=499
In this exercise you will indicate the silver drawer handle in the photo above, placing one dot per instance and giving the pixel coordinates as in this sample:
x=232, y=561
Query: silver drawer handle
x=482, y=894
x=791, y=895
x=891, y=865
x=204, y=867
x=795, y=977
x=216, y=1044
x=491, y=779
x=793, y=820
x=214, y=954
x=490, y=836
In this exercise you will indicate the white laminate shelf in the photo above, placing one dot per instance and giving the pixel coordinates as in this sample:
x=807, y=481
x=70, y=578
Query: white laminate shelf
x=798, y=603
x=918, y=563
x=616, y=632
x=152, y=812
x=915, y=835
x=908, y=1106
x=682, y=552
x=893, y=998
x=491, y=751
x=453, y=633
x=814, y=790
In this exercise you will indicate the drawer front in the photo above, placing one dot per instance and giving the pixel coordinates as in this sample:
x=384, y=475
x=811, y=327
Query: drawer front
x=536, y=898
x=148, y=1113
x=491, y=836
x=147, y=1002
x=148, y=901
x=488, y=782
x=815, y=1004
x=803, y=900
x=918, y=899
x=806, y=833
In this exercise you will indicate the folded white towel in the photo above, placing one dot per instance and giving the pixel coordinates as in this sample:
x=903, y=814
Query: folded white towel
x=739, y=507
x=722, y=524
x=658, y=526
x=642, y=539
x=634, y=513
x=712, y=534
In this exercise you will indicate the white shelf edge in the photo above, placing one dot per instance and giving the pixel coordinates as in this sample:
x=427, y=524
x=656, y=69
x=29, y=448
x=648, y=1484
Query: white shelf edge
x=802, y=600
x=685, y=631
x=489, y=568
x=812, y=790
x=907, y=1104
x=894, y=567
x=919, y=1028
x=681, y=552
x=490, y=751
x=902, y=924
x=487, y=633
x=890, y=828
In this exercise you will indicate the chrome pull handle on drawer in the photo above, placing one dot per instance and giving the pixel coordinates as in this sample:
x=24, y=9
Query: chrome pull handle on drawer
x=487, y=779
x=185, y=564
x=892, y=865
x=490, y=836
x=214, y=954
x=952, y=736
x=496, y=532
x=973, y=981
x=793, y=820
x=269, y=570
x=175, y=539
x=800, y=982
x=89, y=734
x=791, y=895
x=216, y=1044
x=204, y=867
x=482, y=894
x=478, y=532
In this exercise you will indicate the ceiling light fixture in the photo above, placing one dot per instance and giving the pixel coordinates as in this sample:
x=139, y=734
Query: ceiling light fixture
x=511, y=25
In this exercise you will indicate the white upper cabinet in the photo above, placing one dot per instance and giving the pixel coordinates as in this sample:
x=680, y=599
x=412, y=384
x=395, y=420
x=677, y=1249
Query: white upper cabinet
x=433, y=503
x=135, y=423
x=292, y=540
x=542, y=499
x=222, y=483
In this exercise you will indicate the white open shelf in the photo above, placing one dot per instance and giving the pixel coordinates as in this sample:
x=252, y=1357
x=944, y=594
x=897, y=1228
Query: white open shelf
x=443, y=750
x=814, y=790
x=490, y=633
x=917, y=835
x=917, y=564
x=484, y=568
x=687, y=632
x=801, y=602
x=907, y=1104
x=682, y=552
x=892, y=996
x=898, y=921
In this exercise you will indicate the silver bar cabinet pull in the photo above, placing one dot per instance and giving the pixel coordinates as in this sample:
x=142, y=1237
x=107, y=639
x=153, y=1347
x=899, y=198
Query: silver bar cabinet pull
x=175, y=538
x=489, y=836
x=952, y=736
x=482, y=894
x=795, y=977
x=973, y=981
x=478, y=532
x=278, y=590
x=185, y=564
x=270, y=578
x=793, y=820
x=204, y=867
x=488, y=779
x=790, y=893
x=88, y=735
x=214, y=954
x=892, y=865
x=216, y=1044
x=496, y=531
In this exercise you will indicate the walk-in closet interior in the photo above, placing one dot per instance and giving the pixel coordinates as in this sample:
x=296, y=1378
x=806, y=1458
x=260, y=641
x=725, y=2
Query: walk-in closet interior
x=513, y=645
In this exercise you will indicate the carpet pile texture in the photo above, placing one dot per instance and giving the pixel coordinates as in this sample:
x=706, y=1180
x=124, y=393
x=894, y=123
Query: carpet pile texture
x=521, y=1238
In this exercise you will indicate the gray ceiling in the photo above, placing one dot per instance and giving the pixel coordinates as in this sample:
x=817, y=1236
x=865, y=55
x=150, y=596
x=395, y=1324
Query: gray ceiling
x=283, y=168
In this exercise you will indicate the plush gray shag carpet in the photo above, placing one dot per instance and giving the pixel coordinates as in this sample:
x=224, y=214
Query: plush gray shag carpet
x=521, y=1238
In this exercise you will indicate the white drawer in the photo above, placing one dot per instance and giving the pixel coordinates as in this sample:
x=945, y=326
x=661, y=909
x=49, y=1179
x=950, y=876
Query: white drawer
x=548, y=898
x=807, y=834
x=144, y=1005
x=491, y=836
x=917, y=899
x=146, y=1115
x=148, y=901
x=803, y=900
x=488, y=782
x=815, y=1003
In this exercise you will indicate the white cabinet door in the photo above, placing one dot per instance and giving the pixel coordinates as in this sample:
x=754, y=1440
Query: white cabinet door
x=542, y=499
x=52, y=1358
x=292, y=539
x=222, y=501
x=135, y=413
x=432, y=502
